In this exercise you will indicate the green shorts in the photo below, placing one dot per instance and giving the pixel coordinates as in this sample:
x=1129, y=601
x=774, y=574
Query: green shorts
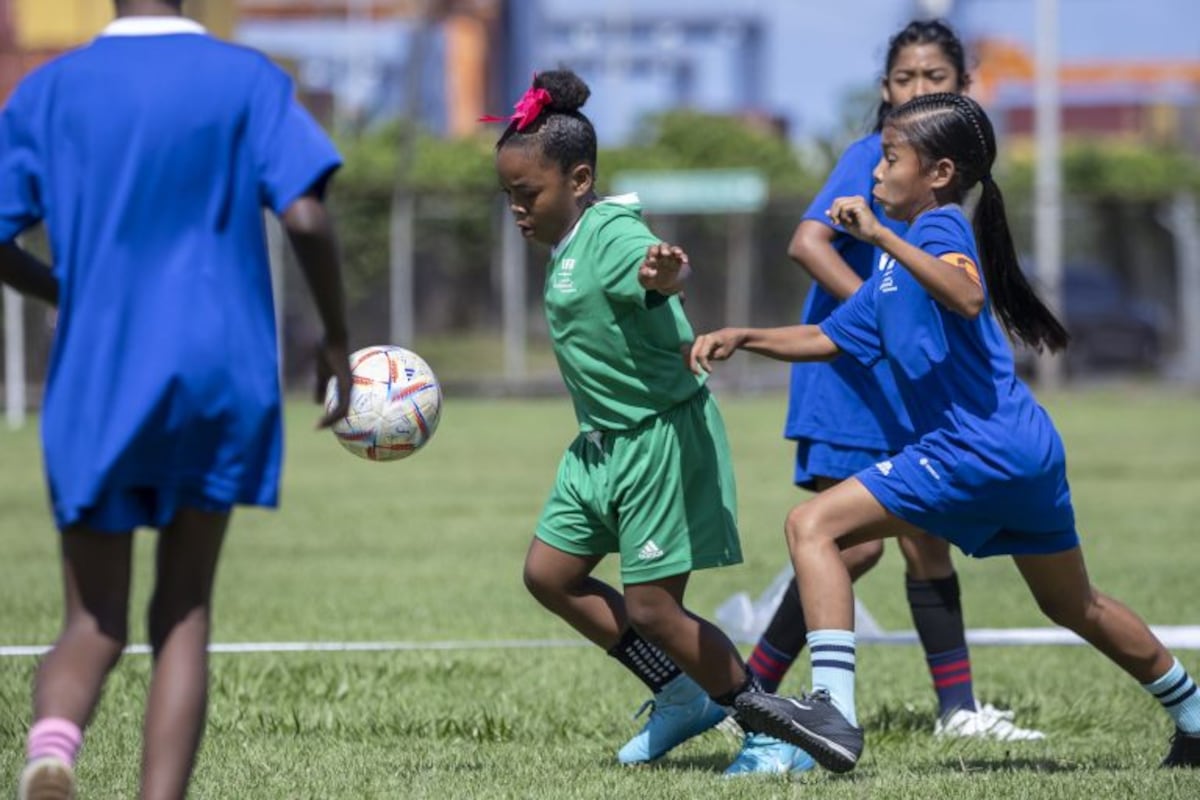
x=662, y=495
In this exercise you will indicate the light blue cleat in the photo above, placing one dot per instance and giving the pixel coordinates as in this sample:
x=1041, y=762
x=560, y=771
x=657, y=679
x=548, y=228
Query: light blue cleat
x=678, y=712
x=763, y=755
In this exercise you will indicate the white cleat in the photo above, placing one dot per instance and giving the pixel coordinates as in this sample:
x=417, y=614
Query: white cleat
x=987, y=722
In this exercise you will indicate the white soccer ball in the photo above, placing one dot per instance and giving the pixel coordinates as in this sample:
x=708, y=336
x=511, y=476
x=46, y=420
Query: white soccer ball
x=395, y=404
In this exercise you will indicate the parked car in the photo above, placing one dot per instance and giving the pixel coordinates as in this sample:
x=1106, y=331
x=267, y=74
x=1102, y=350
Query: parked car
x=1111, y=330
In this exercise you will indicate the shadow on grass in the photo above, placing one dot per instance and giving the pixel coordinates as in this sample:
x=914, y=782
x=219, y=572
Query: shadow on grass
x=717, y=764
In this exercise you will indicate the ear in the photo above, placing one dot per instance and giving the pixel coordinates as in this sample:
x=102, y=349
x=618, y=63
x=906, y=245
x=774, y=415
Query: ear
x=884, y=92
x=942, y=173
x=582, y=179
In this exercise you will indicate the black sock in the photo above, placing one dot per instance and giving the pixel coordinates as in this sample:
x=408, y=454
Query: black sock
x=751, y=684
x=728, y=701
x=782, y=641
x=937, y=615
x=652, y=666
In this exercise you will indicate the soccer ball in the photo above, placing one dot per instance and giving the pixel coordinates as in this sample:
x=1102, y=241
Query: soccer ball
x=395, y=404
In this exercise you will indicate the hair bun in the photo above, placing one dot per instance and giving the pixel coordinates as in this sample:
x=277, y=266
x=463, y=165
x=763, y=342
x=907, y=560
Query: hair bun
x=567, y=90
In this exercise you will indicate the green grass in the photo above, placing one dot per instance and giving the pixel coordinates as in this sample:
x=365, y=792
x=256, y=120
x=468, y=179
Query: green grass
x=430, y=549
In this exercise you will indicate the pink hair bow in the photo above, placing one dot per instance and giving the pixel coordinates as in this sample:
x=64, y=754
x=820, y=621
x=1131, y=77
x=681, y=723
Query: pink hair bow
x=527, y=109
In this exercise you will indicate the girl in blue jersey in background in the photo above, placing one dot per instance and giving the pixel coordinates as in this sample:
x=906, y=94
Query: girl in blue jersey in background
x=845, y=417
x=987, y=470
x=151, y=154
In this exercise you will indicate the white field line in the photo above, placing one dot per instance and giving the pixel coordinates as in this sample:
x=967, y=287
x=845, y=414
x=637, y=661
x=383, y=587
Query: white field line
x=1176, y=637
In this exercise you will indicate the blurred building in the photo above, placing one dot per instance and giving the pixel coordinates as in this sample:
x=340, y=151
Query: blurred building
x=1151, y=101
x=375, y=60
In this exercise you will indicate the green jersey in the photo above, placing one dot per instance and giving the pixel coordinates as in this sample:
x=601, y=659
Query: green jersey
x=619, y=347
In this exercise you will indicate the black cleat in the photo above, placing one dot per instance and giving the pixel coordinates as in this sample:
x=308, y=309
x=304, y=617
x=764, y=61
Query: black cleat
x=811, y=723
x=1185, y=750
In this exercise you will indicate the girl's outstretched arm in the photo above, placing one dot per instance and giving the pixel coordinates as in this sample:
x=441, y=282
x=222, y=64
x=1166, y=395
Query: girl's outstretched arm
x=792, y=343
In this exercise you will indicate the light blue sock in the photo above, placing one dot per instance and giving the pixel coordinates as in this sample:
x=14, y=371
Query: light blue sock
x=1177, y=692
x=832, y=654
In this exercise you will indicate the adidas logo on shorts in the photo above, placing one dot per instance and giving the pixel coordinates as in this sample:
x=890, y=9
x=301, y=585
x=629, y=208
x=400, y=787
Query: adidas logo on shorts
x=885, y=467
x=650, y=551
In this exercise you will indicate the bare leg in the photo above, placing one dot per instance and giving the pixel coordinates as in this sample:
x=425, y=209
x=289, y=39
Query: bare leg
x=926, y=557
x=179, y=619
x=860, y=558
x=1060, y=585
x=562, y=583
x=96, y=568
x=699, y=648
x=839, y=518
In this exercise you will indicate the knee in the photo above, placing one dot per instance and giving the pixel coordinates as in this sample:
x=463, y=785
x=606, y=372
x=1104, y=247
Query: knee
x=107, y=638
x=803, y=528
x=165, y=617
x=1073, y=612
x=651, y=620
x=546, y=587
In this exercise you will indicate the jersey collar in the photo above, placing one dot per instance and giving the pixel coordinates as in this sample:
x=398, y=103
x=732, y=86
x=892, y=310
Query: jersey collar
x=151, y=26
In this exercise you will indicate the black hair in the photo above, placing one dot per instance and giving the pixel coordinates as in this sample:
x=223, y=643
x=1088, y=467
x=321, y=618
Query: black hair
x=953, y=126
x=560, y=131
x=919, y=32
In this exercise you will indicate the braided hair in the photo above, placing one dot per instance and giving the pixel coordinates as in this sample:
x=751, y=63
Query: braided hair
x=560, y=131
x=920, y=32
x=953, y=126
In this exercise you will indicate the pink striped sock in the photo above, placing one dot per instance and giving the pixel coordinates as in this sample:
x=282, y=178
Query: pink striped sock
x=54, y=736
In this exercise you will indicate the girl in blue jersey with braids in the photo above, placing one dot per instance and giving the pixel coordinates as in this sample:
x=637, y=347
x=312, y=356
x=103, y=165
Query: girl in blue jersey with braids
x=987, y=471
x=844, y=417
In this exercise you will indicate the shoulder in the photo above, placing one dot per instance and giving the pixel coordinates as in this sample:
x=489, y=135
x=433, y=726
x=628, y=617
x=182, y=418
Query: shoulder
x=871, y=144
x=44, y=75
x=945, y=220
x=243, y=55
x=616, y=217
x=252, y=65
x=867, y=149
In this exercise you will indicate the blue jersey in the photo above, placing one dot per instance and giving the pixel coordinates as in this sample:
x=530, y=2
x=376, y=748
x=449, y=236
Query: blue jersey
x=843, y=402
x=150, y=154
x=988, y=458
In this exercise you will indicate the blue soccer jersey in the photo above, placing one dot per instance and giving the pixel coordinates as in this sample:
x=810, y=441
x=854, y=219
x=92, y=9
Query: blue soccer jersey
x=842, y=402
x=151, y=154
x=988, y=471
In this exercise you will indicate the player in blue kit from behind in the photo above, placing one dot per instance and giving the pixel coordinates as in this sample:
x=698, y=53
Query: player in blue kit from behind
x=150, y=154
x=987, y=471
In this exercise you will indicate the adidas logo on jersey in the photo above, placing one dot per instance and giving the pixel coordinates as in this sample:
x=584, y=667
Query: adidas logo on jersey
x=650, y=551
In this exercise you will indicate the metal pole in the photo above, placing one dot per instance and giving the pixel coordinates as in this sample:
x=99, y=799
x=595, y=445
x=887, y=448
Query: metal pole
x=738, y=283
x=1182, y=219
x=512, y=297
x=402, y=241
x=14, y=359
x=1047, y=222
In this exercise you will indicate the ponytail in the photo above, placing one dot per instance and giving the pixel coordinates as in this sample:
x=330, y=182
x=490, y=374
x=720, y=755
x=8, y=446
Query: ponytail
x=1019, y=309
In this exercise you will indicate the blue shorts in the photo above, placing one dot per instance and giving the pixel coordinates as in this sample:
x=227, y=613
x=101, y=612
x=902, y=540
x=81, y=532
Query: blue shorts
x=981, y=515
x=122, y=510
x=818, y=459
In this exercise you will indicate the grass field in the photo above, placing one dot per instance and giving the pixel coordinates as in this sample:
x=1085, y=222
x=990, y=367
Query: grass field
x=431, y=549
